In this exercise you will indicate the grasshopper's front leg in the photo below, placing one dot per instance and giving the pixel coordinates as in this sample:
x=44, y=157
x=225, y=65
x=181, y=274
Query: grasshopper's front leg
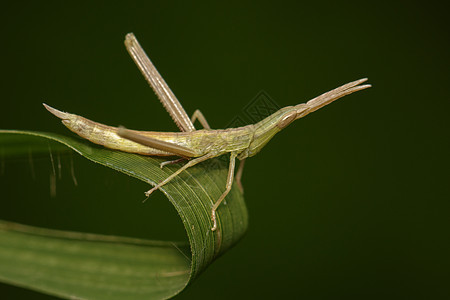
x=187, y=165
x=230, y=178
x=171, y=162
x=239, y=176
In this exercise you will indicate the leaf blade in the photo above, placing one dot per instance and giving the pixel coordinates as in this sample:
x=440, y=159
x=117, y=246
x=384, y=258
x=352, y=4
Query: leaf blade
x=89, y=266
x=192, y=194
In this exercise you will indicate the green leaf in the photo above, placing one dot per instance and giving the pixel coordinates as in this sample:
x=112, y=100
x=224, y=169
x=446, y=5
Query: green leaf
x=92, y=266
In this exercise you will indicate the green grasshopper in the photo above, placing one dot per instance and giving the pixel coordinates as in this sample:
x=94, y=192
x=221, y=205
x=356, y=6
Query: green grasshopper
x=194, y=145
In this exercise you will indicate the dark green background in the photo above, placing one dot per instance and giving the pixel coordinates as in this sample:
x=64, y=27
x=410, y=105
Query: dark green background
x=352, y=201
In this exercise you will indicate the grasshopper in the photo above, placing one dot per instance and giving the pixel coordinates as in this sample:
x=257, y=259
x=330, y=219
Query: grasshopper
x=190, y=144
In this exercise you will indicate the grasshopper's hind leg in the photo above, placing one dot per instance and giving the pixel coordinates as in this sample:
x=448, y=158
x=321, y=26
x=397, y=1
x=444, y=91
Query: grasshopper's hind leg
x=227, y=190
x=197, y=115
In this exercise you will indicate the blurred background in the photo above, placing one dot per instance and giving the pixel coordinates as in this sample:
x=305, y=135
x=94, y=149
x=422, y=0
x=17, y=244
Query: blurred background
x=350, y=202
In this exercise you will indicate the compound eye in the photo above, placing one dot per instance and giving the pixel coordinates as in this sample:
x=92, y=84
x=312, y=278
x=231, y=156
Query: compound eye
x=287, y=119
